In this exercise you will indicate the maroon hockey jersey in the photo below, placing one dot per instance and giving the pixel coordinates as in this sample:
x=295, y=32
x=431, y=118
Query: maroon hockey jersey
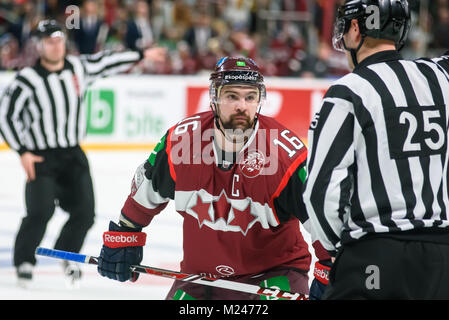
x=240, y=214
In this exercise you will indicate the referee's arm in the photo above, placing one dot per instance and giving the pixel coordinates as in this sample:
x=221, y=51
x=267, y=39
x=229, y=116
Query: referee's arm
x=330, y=169
x=107, y=63
x=12, y=104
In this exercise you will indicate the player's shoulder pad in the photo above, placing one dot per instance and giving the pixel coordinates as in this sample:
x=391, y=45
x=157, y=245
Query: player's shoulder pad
x=191, y=123
x=196, y=123
x=188, y=134
x=283, y=142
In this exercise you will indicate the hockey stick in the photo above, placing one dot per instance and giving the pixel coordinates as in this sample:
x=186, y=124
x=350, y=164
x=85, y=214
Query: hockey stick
x=193, y=278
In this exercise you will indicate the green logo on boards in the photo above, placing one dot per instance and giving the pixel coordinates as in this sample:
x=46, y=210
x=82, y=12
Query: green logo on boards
x=100, y=111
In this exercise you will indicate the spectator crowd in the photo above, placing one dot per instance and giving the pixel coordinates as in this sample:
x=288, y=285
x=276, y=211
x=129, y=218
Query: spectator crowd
x=287, y=38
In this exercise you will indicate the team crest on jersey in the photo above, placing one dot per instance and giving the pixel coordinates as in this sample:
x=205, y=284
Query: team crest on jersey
x=252, y=164
x=223, y=214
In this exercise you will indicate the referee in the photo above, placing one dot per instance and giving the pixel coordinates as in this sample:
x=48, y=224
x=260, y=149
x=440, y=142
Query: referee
x=443, y=61
x=43, y=119
x=377, y=189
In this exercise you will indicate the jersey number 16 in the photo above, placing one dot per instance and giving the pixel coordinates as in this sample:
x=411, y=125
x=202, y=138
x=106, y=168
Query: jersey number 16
x=292, y=143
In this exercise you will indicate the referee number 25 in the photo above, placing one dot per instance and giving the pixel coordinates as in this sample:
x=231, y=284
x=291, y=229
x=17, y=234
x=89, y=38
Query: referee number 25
x=417, y=131
x=428, y=127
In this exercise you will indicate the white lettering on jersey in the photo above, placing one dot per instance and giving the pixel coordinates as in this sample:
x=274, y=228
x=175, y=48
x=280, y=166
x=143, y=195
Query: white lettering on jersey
x=235, y=191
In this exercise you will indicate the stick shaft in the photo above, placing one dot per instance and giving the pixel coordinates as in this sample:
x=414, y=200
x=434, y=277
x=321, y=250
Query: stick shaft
x=193, y=278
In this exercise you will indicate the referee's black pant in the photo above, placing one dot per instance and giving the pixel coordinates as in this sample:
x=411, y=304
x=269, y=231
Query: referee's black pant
x=390, y=269
x=62, y=179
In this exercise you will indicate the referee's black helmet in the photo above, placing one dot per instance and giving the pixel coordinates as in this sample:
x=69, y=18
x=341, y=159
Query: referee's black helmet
x=49, y=28
x=393, y=20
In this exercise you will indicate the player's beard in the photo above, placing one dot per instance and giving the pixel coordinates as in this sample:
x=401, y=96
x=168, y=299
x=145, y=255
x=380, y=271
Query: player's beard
x=238, y=130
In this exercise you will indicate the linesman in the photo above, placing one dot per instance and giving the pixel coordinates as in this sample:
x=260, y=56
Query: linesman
x=377, y=189
x=43, y=119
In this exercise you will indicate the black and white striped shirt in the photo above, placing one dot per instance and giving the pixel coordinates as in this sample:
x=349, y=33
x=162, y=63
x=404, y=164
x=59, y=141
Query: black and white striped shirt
x=44, y=110
x=378, y=160
x=443, y=62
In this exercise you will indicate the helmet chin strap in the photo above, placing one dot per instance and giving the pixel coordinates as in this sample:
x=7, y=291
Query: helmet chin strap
x=353, y=51
x=214, y=108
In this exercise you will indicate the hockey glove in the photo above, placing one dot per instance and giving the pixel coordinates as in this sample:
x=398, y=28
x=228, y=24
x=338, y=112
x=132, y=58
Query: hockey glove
x=319, y=283
x=122, y=248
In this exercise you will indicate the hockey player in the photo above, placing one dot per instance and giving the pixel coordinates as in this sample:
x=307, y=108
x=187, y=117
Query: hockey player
x=236, y=177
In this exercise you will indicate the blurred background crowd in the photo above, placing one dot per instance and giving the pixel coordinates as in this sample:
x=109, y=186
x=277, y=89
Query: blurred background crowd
x=287, y=38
